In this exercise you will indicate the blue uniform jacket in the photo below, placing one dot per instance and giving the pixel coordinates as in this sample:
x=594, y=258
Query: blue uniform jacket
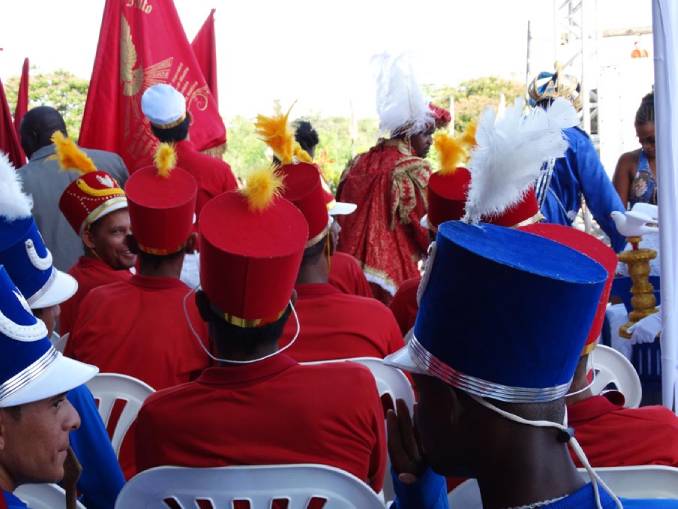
x=581, y=173
x=430, y=492
x=101, y=478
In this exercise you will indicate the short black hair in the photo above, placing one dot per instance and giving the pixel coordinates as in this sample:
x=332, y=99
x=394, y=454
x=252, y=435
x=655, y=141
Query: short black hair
x=645, y=112
x=246, y=340
x=306, y=135
x=173, y=134
x=313, y=252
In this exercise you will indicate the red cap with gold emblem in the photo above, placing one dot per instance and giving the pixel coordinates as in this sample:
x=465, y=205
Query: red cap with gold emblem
x=92, y=195
x=302, y=186
x=162, y=204
x=594, y=249
x=251, y=245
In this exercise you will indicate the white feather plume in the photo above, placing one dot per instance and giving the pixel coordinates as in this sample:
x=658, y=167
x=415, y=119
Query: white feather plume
x=401, y=104
x=510, y=154
x=14, y=204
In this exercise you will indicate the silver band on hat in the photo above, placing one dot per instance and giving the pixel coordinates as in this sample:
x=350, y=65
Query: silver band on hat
x=43, y=290
x=429, y=363
x=28, y=375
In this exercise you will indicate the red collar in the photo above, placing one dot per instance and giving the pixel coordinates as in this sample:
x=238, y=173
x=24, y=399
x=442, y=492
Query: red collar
x=594, y=407
x=156, y=282
x=94, y=263
x=246, y=374
x=314, y=290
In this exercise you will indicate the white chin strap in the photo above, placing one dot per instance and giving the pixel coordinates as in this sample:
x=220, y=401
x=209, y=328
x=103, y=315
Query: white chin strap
x=595, y=479
x=233, y=361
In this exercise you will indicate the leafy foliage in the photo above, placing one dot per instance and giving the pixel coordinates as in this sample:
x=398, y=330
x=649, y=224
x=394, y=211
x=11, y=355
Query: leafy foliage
x=60, y=89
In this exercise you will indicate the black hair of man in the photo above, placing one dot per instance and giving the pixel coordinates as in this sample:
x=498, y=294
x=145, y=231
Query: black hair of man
x=174, y=134
x=314, y=252
x=231, y=341
x=645, y=112
x=38, y=126
x=306, y=136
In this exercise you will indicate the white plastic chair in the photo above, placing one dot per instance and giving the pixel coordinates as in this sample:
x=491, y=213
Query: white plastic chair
x=259, y=485
x=390, y=381
x=43, y=496
x=110, y=387
x=644, y=481
x=611, y=367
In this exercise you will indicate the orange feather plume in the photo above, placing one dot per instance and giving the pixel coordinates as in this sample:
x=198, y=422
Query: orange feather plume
x=262, y=186
x=70, y=156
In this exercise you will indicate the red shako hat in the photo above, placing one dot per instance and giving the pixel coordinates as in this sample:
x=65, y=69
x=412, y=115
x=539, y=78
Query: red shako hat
x=251, y=245
x=526, y=209
x=161, y=204
x=92, y=195
x=594, y=249
x=302, y=186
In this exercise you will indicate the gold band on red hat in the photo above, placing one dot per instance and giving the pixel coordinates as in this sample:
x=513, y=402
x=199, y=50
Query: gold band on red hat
x=589, y=348
x=250, y=323
x=313, y=241
x=107, y=191
x=170, y=125
x=159, y=252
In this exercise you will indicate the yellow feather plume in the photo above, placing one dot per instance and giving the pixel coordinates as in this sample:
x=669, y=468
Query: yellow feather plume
x=275, y=132
x=70, y=156
x=468, y=137
x=165, y=159
x=261, y=187
x=451, y=152
x=301, y=155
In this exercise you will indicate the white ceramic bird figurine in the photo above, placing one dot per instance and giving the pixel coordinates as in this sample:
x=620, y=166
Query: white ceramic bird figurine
x=633, y=224
x=647, y=209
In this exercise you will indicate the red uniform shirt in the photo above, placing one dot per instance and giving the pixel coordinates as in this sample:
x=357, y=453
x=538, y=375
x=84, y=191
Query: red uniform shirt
x=213, y=176
x=138, y=328
x=89, y=273
x=347, y=276
x=614, y=436
x=336, y=325
x=404, y=304
x=271, y=412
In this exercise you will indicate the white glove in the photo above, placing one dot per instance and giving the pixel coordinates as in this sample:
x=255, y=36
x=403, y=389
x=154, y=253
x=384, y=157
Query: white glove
x=646, y=329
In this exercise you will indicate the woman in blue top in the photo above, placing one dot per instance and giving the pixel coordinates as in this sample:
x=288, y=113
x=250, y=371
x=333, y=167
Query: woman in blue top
x=635, y=177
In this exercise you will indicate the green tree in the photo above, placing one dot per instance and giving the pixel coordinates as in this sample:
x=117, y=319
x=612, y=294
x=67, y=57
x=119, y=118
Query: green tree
x=473, y=96
x=60, y=89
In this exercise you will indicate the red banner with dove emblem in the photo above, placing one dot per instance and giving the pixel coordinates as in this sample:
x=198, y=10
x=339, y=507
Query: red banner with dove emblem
x=142, y=43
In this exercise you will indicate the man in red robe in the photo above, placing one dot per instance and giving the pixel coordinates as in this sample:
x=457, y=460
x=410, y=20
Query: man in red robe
x=388, y=184
x=165, y=109
x=96, y=208
x=334, y=325
x=138, y=327
x=611, y=435
x=258, y=405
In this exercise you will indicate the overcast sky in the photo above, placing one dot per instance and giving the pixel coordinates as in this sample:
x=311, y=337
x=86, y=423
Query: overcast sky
x=316, y=51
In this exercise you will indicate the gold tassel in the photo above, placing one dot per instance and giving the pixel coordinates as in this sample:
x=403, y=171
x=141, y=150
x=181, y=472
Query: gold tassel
x=165, y=159
x=70, y=156
x=262, y=186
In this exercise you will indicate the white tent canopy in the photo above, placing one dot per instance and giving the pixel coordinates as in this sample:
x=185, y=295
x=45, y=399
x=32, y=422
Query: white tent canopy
x=665, y=29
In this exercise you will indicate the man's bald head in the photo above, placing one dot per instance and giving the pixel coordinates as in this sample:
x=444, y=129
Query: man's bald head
x=38, y=126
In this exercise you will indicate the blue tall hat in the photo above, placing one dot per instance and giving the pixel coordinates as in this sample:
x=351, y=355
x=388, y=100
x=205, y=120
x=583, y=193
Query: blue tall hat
x=503, y=314
x=30, y=368
x=22, y=250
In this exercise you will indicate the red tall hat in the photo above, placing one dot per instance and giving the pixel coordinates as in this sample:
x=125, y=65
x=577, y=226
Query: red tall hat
x=161, y=204
x=526, y=209
x=302, y=186
x=92, y=195
x=594, y=249
x=251, y=245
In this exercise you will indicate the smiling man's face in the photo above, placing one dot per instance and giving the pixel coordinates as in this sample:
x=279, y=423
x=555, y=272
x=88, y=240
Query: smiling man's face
x=34, y=440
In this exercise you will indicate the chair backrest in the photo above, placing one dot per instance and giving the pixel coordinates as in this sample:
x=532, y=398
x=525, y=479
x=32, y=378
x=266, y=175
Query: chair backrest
x=108, y=388
x=391, y=381
x=644, y=481
x=251, y=487
x=611, y=367
x=43, y=496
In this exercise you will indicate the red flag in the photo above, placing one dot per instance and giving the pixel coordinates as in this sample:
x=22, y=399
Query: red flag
x=21, y=98
x=205, y=49
x=142, y=43
x=9, y=142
